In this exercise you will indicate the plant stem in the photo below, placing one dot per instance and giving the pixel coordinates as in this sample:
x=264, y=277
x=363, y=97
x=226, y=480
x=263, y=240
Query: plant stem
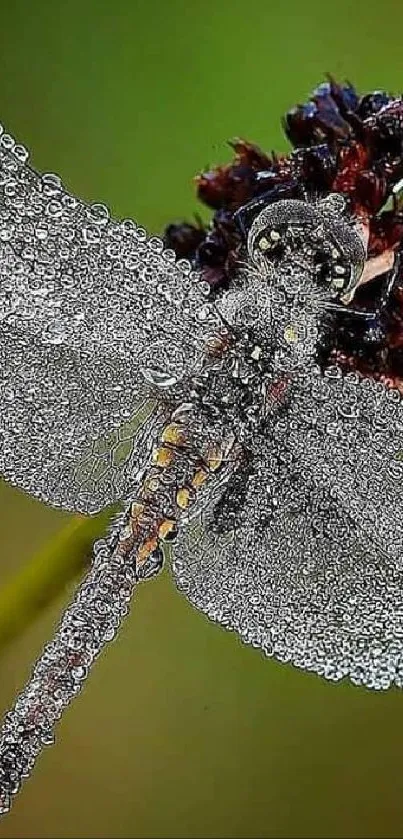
x=46, y=575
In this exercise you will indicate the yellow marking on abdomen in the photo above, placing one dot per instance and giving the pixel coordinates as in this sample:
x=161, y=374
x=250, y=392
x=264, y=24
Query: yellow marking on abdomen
x=162, y=456
x=146, y=548
x=199, y=478
x=184, y=497
x=173, y=434
x=166, y=528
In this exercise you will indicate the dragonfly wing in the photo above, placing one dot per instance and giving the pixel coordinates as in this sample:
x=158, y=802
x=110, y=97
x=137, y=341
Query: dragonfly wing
x=87, y=304
x=347, y=434
x=109, y=468
x=298, y=578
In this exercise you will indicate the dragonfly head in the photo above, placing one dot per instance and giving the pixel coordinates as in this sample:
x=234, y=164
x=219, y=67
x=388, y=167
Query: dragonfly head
x=302, y=259
x=320, y=238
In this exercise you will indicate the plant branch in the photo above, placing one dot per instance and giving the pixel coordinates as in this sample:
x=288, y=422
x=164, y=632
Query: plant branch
x=45, y=576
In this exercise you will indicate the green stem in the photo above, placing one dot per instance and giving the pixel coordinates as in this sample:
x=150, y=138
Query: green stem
x=46, y=575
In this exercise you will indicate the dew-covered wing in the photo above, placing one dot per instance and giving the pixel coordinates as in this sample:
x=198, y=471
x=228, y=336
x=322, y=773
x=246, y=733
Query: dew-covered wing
x=297, y=575
x=86, y=304
x=347, y=435
x=109, y=468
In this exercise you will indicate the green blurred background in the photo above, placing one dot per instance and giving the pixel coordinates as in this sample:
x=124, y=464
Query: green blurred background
x=182, y=731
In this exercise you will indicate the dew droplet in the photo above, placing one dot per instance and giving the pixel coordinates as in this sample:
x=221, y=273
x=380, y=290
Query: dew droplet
x=155, y=244
x=51, y=184
x=169, y=255
x=41, y=231
x=54, y=209
x=21, y=153
x=7, y=142
x=98, y=214
x=91, y=235
x=141, y=234
x=128, y=227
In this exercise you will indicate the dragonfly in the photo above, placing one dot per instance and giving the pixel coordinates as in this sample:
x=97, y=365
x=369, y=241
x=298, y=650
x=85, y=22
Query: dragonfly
x=270, y=487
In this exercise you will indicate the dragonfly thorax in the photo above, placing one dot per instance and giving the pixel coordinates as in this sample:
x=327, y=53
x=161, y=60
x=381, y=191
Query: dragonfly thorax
x=277, y=317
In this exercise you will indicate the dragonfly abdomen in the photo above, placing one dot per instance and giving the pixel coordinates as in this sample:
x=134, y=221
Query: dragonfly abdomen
x=181, y=466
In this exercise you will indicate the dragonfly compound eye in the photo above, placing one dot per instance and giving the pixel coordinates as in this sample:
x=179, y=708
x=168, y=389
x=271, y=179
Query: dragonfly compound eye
x=321, y=237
